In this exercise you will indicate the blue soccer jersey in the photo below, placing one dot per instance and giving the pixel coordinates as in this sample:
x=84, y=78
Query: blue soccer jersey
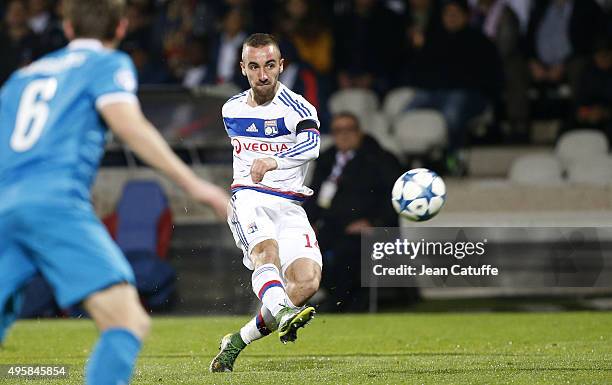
x=51, y=141
x=51, y=135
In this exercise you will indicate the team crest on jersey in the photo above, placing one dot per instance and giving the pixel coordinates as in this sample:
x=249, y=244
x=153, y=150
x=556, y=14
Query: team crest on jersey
x=270, y=127
x=251, y=228
x=125, y=79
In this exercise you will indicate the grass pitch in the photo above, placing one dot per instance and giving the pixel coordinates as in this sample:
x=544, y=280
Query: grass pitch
x=472, y=348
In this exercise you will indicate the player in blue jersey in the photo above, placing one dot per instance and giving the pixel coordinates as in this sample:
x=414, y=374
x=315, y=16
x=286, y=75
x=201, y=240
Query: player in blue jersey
x=53, y=118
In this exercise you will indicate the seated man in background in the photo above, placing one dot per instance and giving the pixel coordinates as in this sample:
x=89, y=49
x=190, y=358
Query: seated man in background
x=352, y=183
x=457, y=72
x=560, y=39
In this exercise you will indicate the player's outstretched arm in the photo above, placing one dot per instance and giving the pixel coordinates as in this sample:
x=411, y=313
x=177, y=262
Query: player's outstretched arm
x=130, y=125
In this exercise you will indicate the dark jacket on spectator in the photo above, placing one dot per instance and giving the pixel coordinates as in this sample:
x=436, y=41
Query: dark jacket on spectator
x=462, y=60
x=595, y=88
x=362, y=43
x=586, y=22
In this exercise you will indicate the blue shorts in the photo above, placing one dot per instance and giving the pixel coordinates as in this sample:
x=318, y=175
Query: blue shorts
x=66, y=243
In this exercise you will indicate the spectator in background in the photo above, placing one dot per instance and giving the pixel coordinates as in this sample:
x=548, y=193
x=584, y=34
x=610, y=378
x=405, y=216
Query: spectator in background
x=197, y=63
x=207, y=16
x=225, y=50
x=521, y=8
x=46, y=25
x=302, y=23
x=499, y=22
x=171, y=32
x=560, y=39
x=138, y=44
x=362, y=57
x=458, y=73
x=423, y=20
x=18, y=43
x=594, y=92
x=351, y=194
x=40, y=16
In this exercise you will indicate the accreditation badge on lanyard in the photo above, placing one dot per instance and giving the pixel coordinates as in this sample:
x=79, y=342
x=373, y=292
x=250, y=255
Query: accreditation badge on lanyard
x=330, y=186
x=327, y=194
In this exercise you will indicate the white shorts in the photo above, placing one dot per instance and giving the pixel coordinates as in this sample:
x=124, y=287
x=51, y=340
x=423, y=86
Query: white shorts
x=255, y=217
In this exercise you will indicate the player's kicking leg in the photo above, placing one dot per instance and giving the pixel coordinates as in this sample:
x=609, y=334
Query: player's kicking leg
x=302, y=276
x=123, y=324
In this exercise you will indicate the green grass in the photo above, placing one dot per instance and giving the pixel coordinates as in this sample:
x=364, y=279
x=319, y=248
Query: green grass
x=472, y=348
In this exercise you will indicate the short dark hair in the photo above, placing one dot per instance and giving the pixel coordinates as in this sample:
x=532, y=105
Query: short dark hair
x=96, y=19
x=258, y=40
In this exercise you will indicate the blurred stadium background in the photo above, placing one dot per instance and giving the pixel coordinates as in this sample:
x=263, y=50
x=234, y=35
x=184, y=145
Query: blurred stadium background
x=531, y=146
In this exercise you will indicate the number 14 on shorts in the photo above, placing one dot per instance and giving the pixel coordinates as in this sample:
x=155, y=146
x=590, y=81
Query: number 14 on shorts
x=309, y=243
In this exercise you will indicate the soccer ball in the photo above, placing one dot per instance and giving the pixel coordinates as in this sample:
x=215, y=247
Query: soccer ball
x=418, y=194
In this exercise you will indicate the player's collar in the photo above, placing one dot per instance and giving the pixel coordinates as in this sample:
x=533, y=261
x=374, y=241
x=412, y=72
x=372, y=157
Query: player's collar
x=92, y=44
x=281, y=86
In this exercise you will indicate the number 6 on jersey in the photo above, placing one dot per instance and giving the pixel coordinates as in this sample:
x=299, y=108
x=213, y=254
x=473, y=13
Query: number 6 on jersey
x=32, y=113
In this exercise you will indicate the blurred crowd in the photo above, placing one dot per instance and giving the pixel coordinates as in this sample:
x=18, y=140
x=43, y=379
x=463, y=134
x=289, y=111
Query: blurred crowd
x=462, y=56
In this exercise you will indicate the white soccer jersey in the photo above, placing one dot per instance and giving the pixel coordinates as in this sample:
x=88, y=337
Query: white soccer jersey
x=285, y=129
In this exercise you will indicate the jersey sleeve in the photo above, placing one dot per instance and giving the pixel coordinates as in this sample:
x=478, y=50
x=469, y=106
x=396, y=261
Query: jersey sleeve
x=299, y=110
x=115, y=81
x=304, y=122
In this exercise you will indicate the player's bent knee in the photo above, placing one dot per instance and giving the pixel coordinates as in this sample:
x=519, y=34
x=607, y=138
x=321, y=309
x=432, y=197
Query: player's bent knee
x=304, y=277
x=309, y=288
x=309, y=281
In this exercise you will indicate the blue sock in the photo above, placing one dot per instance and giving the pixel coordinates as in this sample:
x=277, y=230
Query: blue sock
x=9, y=312
x=113, y=358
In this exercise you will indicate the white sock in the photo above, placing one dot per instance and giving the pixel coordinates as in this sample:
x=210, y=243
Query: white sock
x=259, y=326
x=268, y=287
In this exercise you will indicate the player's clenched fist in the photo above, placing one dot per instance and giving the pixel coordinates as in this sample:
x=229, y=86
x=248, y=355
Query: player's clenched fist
x=260, y=167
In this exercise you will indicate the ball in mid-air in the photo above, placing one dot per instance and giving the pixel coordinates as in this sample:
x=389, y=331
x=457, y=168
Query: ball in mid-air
x=418, y=194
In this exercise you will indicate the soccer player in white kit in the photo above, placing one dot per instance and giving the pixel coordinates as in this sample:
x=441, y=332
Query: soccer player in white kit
x=274, y=132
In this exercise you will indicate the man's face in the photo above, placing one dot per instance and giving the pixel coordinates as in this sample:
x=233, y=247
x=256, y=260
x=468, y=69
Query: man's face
x=262, y=66
x=346, y=133
x=454, y=18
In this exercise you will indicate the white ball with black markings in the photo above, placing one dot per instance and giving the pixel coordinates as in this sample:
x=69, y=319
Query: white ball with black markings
x=418, y=194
